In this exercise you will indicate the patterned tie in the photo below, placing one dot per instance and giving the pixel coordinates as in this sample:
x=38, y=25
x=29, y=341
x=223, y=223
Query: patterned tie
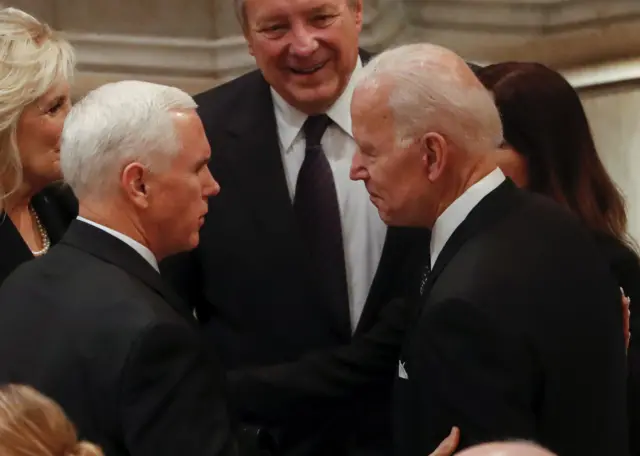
x=318, y=213
x=424, y=277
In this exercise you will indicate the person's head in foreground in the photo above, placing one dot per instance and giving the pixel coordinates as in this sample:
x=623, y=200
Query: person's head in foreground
x=34, y=425
x=426, y=129
x=37, y=67
x=506, y=449
x=135, y=154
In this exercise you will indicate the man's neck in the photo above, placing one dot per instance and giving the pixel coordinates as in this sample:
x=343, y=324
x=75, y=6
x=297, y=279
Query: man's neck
x=115, y=219
x=463, y=182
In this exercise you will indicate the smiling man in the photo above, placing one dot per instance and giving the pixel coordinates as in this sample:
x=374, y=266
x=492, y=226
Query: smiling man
x=293, y=256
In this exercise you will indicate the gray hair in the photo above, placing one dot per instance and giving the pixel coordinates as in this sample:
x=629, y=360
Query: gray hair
x=117, y=124
x=34, y=58
x=241, y=13
x=427, y=91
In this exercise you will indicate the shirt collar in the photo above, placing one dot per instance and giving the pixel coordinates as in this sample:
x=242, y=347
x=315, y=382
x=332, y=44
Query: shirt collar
x=455, y=214
x=290, y=120
x=142, y=250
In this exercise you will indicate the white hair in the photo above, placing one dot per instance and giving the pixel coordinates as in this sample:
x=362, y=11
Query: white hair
x=429, y=92
x=117, y=124
x=34, y=58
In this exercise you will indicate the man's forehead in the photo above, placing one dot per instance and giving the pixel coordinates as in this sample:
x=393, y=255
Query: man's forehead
x=371, y=95
x=261, y=8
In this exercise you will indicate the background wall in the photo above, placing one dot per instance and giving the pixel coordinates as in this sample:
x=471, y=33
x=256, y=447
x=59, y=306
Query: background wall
x=614, y=114
x=197, y=44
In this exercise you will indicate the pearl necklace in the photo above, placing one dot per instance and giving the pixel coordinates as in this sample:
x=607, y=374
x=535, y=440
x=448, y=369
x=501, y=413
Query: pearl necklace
x=46, y=242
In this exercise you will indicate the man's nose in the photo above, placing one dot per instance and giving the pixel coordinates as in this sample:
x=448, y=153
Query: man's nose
x=304, y=42
x=358, y=170
x=212, y=187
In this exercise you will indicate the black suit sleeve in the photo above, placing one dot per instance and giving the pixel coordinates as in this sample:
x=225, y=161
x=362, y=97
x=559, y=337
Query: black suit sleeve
x=470, y=371
x=172, y=397
x=323, y=380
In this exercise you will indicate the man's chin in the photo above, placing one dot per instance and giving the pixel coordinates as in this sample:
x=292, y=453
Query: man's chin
x=195, y=240
x=385, y=217
x=322, y=95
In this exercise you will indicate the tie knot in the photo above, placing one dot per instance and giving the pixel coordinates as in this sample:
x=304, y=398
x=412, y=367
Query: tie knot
x=314, y=127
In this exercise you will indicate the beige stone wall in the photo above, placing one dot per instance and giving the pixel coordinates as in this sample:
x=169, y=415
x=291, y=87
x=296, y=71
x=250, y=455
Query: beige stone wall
x=196, y=44
x=614, y=115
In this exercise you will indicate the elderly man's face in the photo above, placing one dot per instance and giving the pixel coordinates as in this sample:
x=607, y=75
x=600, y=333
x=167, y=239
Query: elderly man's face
x=392, y=173
x=306, y=49
x=178, y=202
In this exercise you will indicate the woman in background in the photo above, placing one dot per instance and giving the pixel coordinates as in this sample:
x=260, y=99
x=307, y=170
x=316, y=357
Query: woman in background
x=549, y=149
x=33, y=425
x=37, y=67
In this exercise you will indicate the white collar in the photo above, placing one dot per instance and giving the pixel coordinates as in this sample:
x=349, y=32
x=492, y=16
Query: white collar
x=455, y=214
x=290, y=120
x=143, y=251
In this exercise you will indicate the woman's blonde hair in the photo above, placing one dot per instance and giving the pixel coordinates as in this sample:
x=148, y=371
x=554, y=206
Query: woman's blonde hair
x=33, y=58
x=32, y=424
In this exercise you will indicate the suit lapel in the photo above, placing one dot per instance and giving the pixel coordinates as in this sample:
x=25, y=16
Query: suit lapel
x=399, y=268
x=493, y=207
x=108, y=248
x=497, y=204
x=256, y=156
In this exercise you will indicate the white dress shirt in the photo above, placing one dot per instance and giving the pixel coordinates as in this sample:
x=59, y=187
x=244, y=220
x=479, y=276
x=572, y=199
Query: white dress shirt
x=135, y=245
x=455, y=214
x=363, y=232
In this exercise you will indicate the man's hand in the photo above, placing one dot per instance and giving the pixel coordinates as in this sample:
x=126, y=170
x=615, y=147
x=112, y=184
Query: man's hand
x=626, y=318
x=448, y=445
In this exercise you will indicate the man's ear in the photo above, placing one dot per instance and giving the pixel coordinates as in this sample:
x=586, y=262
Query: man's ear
x=134, y=183
x=358, y=13
x=434, y=150
x=249, y=43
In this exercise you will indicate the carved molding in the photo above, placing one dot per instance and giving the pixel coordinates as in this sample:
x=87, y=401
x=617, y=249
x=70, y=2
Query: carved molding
x=517, y=17
x=197, y=64
x=592, y=42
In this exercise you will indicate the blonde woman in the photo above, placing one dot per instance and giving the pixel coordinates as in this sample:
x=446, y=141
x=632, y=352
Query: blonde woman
x=36, y=70
x=34, y=425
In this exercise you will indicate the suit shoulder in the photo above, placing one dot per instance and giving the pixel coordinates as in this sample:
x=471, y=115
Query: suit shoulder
x=544, y=214
x=78, y=283
x=220, y=98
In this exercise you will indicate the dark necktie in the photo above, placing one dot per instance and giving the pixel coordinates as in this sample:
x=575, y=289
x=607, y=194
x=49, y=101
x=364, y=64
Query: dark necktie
x=318, y=213
x=424, y=276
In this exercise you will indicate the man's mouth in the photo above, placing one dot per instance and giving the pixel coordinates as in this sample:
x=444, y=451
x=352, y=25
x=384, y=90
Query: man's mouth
x=309, y=70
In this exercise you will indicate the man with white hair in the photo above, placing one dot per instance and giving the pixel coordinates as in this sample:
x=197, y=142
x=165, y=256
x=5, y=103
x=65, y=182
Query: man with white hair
x=91, y=324
x=517, y=334
x=506, y=449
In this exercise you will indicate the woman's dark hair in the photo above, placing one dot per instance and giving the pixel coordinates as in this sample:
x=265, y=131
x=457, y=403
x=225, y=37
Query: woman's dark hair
x=544, y=121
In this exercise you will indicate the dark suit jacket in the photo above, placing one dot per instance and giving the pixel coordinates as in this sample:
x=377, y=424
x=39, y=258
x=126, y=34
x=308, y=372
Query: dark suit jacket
x=250, y=279
x=626, y=268
x=56, y=207
x=92, y=325
x=519, y=337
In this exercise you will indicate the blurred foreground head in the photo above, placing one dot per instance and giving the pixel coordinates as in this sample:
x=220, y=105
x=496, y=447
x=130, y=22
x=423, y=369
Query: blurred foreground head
x=32, y=424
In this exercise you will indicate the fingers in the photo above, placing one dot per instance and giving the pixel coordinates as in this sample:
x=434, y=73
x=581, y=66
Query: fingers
x=626, y=309
x=448, y=445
